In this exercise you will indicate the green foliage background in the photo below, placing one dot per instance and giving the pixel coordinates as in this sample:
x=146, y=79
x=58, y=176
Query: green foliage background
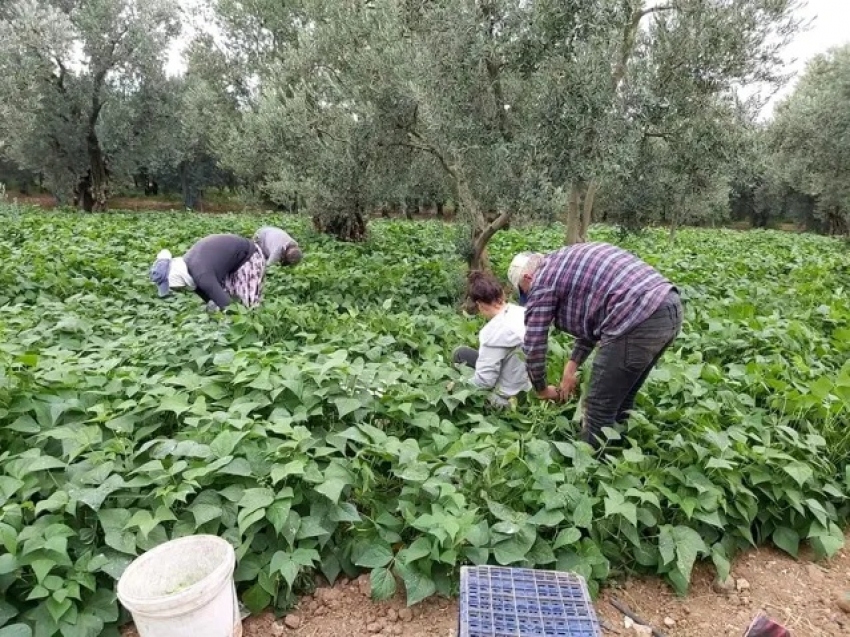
x=328, y=432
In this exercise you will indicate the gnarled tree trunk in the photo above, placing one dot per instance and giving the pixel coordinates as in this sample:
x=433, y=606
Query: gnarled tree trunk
x=482, y=230
x=343, y=222
x=580, y=210
x=587, y=213
x=99, y=178
x=574, y=220
x=83, y=193
x=481, y=236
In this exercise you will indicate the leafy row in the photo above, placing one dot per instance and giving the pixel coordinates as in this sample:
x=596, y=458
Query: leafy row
x=327, y=431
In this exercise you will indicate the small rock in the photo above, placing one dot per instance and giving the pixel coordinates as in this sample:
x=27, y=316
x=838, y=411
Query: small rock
x=745, y=601
x=608, y=626
x=374, y=627
x=686, y=609
x=331, y=594
x=405, y=615
x=723, y=587
x=669, y=622
x=742, y=585
x=292, y=622
x=277, y=629
x=815, y=572
x=364, y=585
x=392, y=615
x=844, y=602
x=640, y=629
x=628, y=622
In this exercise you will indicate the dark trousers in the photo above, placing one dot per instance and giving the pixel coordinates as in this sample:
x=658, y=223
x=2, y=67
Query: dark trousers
x=622, y=366
x=464, y=355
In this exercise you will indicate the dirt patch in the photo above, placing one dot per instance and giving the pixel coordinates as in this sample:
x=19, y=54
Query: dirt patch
x=346, y=611
x=135, y=204
x=802, y=595
x=155, y=204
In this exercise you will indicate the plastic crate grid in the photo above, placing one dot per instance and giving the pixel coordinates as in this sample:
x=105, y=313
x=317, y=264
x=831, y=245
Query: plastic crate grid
x=520, y=602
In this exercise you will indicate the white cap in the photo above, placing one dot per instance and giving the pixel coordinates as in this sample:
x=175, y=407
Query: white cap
x=517, y=267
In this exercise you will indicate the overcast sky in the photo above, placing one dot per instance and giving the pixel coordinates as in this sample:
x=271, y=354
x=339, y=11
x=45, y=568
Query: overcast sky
x=830, y=27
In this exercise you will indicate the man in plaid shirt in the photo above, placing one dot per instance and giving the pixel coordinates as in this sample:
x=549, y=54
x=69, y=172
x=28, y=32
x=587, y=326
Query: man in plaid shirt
x=605, y=297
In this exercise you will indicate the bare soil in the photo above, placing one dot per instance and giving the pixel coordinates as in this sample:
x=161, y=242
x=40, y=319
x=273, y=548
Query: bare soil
x=135, y=204
x=800, y=594
x=164, y=204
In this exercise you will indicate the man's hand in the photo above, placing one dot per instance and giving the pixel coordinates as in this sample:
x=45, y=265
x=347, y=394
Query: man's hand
x=569, y=382
x=551, y=393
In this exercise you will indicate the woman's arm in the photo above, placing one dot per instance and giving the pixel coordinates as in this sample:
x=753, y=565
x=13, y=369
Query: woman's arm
x=488, y=368
x=208, y=288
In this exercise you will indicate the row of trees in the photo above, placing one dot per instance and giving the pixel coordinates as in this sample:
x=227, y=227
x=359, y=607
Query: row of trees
x=624, y=110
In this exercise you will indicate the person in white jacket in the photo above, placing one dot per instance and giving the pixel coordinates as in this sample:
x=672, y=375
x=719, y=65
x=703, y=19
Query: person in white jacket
x=498, y=361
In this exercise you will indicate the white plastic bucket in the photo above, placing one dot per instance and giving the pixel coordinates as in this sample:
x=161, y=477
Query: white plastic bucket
x=183, y=588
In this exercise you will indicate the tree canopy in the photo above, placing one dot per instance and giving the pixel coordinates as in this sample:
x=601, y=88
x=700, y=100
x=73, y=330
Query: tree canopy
x=624, y=110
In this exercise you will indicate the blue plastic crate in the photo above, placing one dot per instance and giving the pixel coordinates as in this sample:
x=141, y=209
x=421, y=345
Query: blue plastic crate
x=522, y=602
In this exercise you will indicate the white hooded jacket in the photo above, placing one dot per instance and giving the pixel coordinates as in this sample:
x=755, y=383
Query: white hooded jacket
x=500, y=364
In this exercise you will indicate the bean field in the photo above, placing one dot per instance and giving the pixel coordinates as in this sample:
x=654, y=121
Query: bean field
x=327, y=431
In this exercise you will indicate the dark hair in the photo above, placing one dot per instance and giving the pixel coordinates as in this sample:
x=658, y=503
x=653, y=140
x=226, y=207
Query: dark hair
x=484, y=288
x=292, y=255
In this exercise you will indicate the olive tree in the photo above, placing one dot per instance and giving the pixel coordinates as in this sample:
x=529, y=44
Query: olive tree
x=596, y=76
x=809, y=136
x=63, y=65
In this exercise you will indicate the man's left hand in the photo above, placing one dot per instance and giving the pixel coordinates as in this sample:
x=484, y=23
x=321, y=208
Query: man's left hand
x=551, y=393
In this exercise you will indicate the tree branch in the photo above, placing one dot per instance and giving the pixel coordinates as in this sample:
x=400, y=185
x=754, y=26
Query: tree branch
x=656, y=9
x=63, y=72
x=493, y=73
x=492, y=228
x=323, y=133
x=628, y=44
x=423, y=145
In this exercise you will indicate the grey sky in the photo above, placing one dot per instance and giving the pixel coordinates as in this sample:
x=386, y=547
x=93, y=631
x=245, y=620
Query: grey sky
x=829, y=28
x=830, y=19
